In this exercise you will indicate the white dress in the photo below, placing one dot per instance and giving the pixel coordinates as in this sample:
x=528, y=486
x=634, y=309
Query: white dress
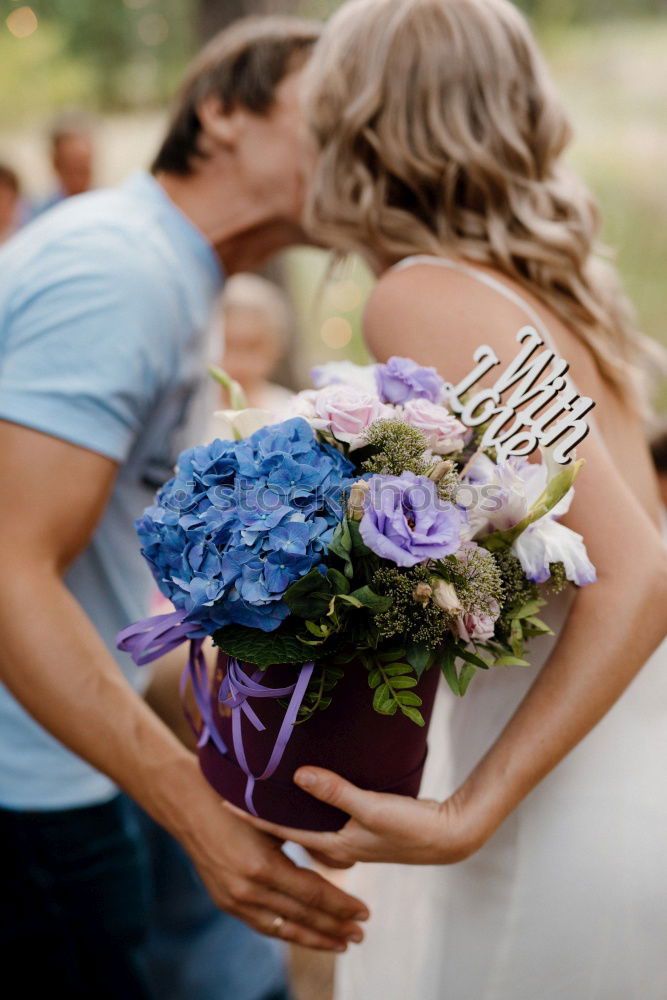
x=568, y=899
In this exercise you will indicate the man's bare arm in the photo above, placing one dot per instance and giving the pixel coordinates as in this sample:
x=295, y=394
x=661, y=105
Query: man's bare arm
x=52, y=495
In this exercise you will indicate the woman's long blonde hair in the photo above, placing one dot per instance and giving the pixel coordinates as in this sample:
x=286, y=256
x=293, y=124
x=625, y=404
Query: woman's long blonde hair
x=440, y=132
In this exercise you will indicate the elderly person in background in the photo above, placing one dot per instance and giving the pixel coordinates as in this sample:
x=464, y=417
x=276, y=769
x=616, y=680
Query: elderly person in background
x=10, y=202
x=659, y=453
x=72, y=149
x=253, y=323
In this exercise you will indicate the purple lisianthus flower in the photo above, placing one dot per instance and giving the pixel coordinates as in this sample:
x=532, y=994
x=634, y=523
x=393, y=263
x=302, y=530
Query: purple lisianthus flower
x=402, y=379
x=406, y=522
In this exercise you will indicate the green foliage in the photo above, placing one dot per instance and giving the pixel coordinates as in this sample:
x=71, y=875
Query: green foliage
x=392, y=682
x=264, y=649
x=395, y=447
x=348, y=545
x=416, y=622
x=318, y=696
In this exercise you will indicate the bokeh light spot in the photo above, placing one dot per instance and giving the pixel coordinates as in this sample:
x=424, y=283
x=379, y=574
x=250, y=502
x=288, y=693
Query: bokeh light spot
x=336, y=333
x=153, y=29
x=345, y=295
x=22, y=22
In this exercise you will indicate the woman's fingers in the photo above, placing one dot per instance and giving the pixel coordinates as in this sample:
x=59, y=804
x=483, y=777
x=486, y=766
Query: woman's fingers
x=329, y=862
x=307, y=838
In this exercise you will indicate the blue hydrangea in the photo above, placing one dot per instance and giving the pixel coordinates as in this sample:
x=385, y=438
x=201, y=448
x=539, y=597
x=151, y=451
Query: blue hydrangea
x=243, y=520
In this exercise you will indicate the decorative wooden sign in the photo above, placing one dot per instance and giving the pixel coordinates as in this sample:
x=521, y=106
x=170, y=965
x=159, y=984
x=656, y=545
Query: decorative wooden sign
x=519, y=423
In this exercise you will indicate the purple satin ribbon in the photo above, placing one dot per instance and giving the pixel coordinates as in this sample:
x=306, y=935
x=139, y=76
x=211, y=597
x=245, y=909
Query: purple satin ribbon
x=151, y=638
x=235, y=690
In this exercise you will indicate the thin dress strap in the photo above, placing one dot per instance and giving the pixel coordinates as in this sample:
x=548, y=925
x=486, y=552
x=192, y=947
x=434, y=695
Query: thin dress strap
x=486, y=279
x=498, y=286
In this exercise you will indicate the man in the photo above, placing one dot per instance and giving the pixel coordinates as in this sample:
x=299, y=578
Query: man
x=103, y=304
x=72, y=155
x=10, y=202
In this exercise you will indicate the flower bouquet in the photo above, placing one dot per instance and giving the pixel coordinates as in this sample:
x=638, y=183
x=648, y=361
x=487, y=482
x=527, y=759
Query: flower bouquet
x=341, y=559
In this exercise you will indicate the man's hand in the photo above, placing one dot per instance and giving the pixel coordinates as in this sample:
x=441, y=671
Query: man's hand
x=248, y=875
x=54, y=662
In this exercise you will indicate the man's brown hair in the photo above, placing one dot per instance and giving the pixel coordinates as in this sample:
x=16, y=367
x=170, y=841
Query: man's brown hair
x=241, y=66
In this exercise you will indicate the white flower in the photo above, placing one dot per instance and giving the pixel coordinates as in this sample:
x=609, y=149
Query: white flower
x=234, y=425
x=546, y=542
x=504, y=494
x=445, y=597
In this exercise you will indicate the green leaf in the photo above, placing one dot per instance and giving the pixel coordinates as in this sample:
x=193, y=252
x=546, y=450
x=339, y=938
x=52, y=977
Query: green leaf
x=374, y=678
x=516, y=637
x=341, y=546
x=420, y=658
x=261, y=648
x=398, y=683
x=466, y=675
x=510, y=661
x=358, y=546
x=541, y=627
x=321, y=631
x=390, y=655
x=413, y=714
x=528, y=609
x=410, y=698
x=397, y=669
x=237, y=396
x=448, y=667
x=382, y=694
x=310, y=596
x=464, y=653
x=339, y=583
x=369, y=599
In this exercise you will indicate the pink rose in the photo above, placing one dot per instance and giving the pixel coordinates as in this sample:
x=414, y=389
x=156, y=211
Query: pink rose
x=479, y=626
x=445, y=434
x=345, y=412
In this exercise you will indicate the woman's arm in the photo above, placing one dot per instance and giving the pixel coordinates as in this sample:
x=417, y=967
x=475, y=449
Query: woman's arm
x=614, y=626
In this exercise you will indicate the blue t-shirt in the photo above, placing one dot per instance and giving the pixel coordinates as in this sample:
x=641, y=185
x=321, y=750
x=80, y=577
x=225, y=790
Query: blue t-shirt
x=104, y=306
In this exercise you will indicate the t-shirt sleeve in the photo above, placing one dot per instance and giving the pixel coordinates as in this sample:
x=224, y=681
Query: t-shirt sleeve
x=79, y=355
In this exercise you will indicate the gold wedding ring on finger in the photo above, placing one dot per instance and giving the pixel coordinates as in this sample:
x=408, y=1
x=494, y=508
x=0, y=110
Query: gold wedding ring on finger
x=276, y=925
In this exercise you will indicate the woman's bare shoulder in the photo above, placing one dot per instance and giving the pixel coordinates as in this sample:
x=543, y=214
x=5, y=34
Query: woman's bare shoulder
x=439, y=316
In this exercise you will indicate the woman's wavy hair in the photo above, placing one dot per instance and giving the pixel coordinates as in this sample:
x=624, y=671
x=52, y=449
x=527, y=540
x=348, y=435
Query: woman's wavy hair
x=440, y=132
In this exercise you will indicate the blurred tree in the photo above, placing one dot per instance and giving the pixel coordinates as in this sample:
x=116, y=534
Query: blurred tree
x=567, y=11
x=134, y=48
x=214, y=14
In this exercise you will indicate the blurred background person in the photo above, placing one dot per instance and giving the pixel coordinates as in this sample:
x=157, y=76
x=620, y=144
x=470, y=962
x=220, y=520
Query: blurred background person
x=10, y=202
x=72, y=150
x=253, y=323
x=659, y=453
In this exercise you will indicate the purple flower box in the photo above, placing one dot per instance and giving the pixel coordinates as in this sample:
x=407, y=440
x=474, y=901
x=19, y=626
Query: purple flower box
x=377, y=752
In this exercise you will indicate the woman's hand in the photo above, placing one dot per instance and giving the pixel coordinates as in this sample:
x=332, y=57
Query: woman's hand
x=389, y=828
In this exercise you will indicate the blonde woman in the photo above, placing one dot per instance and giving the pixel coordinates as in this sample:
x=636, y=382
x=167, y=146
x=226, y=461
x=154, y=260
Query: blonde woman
x=534, y=867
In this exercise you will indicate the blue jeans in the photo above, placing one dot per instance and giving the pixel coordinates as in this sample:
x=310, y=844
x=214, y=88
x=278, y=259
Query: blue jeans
x=195, y=951
x=74, y=903
x=101, y=902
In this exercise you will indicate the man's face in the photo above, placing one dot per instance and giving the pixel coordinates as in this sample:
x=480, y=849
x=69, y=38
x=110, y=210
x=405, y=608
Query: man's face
x=273, y=151
x=8, y=204
x=73, y=163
